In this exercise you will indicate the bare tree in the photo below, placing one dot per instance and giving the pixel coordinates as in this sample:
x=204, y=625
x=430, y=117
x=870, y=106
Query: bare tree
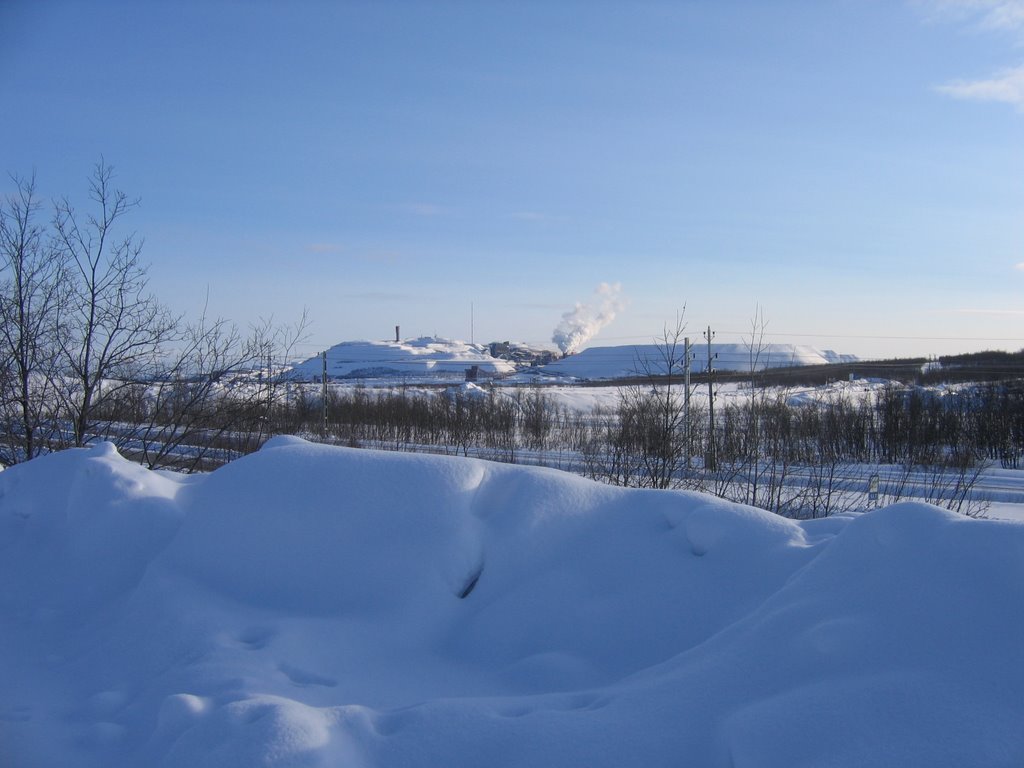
x=187, y=415
x=654, y=414
x=31, y=296
x=116, y=331
x=756, y=351
x=86, y=350
x=272, y=344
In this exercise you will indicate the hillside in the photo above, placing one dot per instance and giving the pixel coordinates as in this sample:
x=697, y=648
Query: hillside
x=318, y=606
x=425, y=357
x=432, y=357
x=630, y=360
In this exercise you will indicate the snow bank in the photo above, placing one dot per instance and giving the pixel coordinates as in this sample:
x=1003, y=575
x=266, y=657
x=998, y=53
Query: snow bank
x=316, y=606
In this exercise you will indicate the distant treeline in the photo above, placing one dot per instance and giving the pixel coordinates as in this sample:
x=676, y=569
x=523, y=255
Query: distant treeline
x=948, y=369
x=991, y=361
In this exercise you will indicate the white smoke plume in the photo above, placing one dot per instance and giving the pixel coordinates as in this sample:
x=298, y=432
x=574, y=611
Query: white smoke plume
x=580, y=324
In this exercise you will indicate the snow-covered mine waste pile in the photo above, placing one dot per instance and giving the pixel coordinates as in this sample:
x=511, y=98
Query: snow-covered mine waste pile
x=643, y=359
x=424, y=357
x=317, y=606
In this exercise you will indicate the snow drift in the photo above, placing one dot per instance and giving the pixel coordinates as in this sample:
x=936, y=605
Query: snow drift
x=318, y=606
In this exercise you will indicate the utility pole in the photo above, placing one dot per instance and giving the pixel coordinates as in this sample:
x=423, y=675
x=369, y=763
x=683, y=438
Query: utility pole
x=686, y=398
x=323, y=389
x=712, y=459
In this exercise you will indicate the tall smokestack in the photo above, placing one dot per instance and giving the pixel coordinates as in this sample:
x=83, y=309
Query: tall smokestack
x=396, y=334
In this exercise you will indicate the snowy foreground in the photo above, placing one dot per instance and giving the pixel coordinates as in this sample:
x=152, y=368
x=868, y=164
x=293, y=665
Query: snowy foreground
x=317, y=606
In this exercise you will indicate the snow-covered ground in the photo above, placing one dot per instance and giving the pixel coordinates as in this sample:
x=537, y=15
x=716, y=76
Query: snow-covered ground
x=586, y=399
x=318, y=606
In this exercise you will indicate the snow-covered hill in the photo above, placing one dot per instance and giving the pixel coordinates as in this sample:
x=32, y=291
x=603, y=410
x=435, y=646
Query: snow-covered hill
x=431, y=357
x=417, y=358
x=624, y=361
x=318, y=606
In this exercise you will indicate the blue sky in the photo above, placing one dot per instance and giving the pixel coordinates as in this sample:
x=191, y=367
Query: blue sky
x=854, y=167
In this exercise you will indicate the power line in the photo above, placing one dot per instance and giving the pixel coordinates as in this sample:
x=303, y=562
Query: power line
x=786, y=334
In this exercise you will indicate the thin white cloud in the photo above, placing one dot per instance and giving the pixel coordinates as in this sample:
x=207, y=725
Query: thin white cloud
x=1006, y=87
x=998, y=312
x=1005, y=15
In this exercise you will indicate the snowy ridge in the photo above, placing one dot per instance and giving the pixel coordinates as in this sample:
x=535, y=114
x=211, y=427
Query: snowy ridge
x=319, y=606
x=431, y=357
x=426, y=356
x=624, y=361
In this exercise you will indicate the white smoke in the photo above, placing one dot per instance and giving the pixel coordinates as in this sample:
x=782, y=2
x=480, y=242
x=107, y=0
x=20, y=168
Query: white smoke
x=581, y=323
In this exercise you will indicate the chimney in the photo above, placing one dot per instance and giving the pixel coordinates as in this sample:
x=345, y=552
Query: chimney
x=396, y=334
